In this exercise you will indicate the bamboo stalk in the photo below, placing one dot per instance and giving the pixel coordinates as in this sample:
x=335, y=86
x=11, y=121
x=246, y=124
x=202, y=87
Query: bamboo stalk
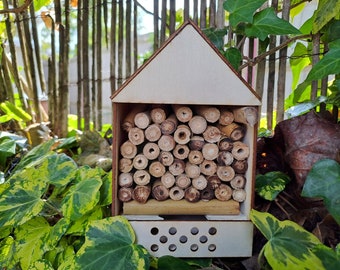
x=183, y=113
x=125, y=194
x=151, y=150
x=140, y=162
x=240, y=166
x=195, y=157
x=125, y=165
x=182, y=134
x=238, y=182
x=213, y=182
x=210, y=151
x=166, y=143
x=153, y=133
x=166, y=158
x=192, y=170
x=169, y=125
x=183, y=181
x=226, y=117
x=141, y=193
x=158, y=115
x=157, y=169
x=223, y=192
x=128, y=149
x=125, y=179
x=225, y=173
x=168, y=179
x=208, y=167
x=198, y=124
x=141, y=177
x=191, y=194
x=239, y=195
x=225, y=158
x=159, y=191
x=196, y=143
x=246, y=115
x=199, y=182
x=142, y=120
x=210, y=113
x=181, y=151
x=136, y=135
x=233, y=131
x=207, y=194
x=212, y=134
x=176, y=193
x=225, y=144
x=177, y=167
x=240, y=151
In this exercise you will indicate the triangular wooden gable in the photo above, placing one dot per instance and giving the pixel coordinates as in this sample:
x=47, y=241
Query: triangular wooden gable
x=187, y=69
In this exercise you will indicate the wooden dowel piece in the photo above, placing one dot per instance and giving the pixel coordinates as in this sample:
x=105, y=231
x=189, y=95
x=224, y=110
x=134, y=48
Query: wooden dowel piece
x=239, y=195
x=199, y=182
x=166, y=158
x=198, y=124
x=225, y=158
x=210, y=151
x=141, y=177
x=151, y=151
x=158, y=115
x=125, y=179
x=141, y=193
x=210, y=113
x=240, y=151
x=166, y=143
x=208, y=167
x=153, y=133
x=191, y=194
x=195, y=157
x=238, y=182
x=176, y=193
x=159, y=191
x=183, y=181
x=223, y=192
x=182, y=134
x=181, y=151
x=183, y=113
x=129, y=120
x=246, y=115
x=225, y=144
x=177, y=167
x=157, y=169
x=168, y=179
x=207, y=194
x=136, y=136
x=212, y=134
x=125, y=165
x=234, y=131
x=169, y=125
x=142, y=120
x=192, y=170
x=140, y=162
x=226, y=117
x=240, y=166
x=196, y=143
x=125, y=194
x=225, y=173
x=128, y=150
x=213, y=181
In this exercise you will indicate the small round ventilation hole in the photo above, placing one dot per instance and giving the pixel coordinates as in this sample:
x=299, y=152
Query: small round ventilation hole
x=194, y=247
x=212, y=247
x=212, y=231
x=172, y=247
x=194, y=230
x=163, y=239
x=183, y=239
x=203, y=239
x=154, y=247
x=172, y=230
x=154, y=231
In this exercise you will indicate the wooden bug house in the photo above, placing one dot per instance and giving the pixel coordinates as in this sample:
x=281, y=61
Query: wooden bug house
x=185, y=130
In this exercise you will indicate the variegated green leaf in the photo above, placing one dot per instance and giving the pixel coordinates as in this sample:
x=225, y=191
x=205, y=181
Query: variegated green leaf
x=106, y=190
x=234, y=57
x=289, y=246
x=57, y=232
x=266, y=22
x=41, y=265
x=111, y=243
x=298, y=62
x=83, y=196
x=330, y=259
x=268, y=186
x=326, y=11
x=7, y=251
x=31, y=241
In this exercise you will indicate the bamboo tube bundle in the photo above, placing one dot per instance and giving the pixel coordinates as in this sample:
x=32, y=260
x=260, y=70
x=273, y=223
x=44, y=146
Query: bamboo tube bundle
x=125, y=165
x=234, y=131
x=136, y=136
x=125, y=194
x=158, y=115
x=151, y=151
x=159, y=191
x=166, y=158
x=210, y=113
x=141, y=193
x=140, y=162
x=142, y=120
x=198, y=124
x=181, y=151
x=183, y=113
x=169, y=125
x=246, y=115
x=129, y=120
x=128, y=149
x=153, y=133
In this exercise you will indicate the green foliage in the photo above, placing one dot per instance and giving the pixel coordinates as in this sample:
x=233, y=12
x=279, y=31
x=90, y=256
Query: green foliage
x=304, y=107
x=269, y=186
x=13, y=112
x=290, y=246
x=323, y=180
x=326, y=11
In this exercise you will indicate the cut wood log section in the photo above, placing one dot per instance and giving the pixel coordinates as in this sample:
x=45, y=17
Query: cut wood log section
x=153, y=133
x=125, y=165
x=176, y=193
x=240, y=151
x=125, y=179
x=158, y=115
x=166, y=143
x=210, y=113
x=225, y=158
x=157, y=169
x=129, y=120
x=168, y=180
x=195, y=157
x=182, y=207
x=169, y=125
x=200, y=182
x=177, y=167
x=140, y=162
x=182, y=134
x=196, y=143
x=136, y=135
x=128, y=150
x=213, y=182
x=210, y=151
x=239, y=195
x=207, y=194
x=246, y=115
x=208, y=167
x=192, y=195
x=225, y=144
x=183, y=113
x=125, y=194
x=225, y=173
x=166, y=158
x=238, y=182
x=240, y=166
x=183, y=181
x=142, y=120
x=181, y=151
x=151, y=150
x=226, y=117
x=223, y=192
x=198, y=124
x=159, y=191
x=234, y=131
x=141, y=177
x=212, y=134
x=141, y=193
x=192, y=170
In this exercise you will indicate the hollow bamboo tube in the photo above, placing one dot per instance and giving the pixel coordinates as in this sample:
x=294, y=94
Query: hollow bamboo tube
x=223, y=192
x=183, y=113
x=140, y=162
x=136, y=136
x=166, y=143
x=210, y=151
x=151, y=150
x=128, y=150
x=195, y=157
x=159, y=191
x=125, y=165
x=169, y=125
x=225, y=173
x=208, y=167
x=141, y=193
x=158, y=115
x=182, y=134
x=125, y=194
x=125, y=179
x=212, y=134
x=176, y=193
x=181, y=151
x=210, y=113
x=226, y=117
x=191, y=194
x=142, y=119
x=156, y=169
x=168, y=179
x=141, y=177
x=153, y=133
x=198, y=124
x=166, y=158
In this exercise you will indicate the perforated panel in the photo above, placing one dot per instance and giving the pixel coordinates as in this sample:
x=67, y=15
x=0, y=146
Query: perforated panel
x=195, y=238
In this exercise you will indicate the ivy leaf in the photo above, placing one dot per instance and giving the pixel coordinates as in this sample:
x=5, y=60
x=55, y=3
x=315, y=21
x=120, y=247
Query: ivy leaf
x=326, y=11
x=241, y=11
x=7, y=149
x=268, y=186
x=330, y=259
x=267, y=23
x=298, y=62
x=323, y=180
x=82, y=197
x=289, y=245
x=7, y=252
x=173, y=263
x=304, y=107
x=30, y=238
x=110, y=243
x=216, y=36
x=41, y=265
x=234, y=57
x=106, y=190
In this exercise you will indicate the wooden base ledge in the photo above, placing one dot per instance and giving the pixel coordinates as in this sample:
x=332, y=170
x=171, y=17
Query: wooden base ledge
x=182, y=207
